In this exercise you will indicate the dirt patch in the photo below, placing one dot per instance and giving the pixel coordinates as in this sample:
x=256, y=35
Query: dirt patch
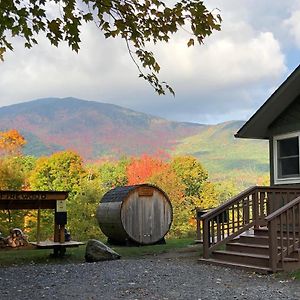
x=189, y=252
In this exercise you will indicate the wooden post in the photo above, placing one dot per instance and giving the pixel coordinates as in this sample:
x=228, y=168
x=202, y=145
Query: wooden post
x=255, y=211
x=273, y=246
x=206, y=238
x=198, y=233
x=62, y=233
x=56, y=232
x=38, y=230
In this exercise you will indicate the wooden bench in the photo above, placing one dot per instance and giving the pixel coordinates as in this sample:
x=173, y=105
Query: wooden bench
x=58, y=248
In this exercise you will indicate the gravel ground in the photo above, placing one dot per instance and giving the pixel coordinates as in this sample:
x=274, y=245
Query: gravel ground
x=149, y=278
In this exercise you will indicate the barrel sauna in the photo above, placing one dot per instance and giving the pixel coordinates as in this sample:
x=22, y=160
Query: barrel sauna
x=139, y=213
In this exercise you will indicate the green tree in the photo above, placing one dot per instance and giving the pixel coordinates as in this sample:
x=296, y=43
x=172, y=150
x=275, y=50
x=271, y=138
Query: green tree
x=82, y=214
x=113, y=173
x=137, y=22
x=191, y=173
x=62, y=171
x=13, y=176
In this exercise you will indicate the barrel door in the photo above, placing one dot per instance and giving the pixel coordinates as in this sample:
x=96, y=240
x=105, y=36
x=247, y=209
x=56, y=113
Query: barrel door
x=146, y=219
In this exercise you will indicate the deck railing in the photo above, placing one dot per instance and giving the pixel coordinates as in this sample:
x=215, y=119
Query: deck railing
x=247, y=209
x=283, y=226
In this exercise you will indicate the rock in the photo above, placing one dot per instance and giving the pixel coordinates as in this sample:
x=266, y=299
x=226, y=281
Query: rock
x=97, y=251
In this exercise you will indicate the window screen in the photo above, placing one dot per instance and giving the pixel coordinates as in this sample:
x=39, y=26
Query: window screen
x=288, y=157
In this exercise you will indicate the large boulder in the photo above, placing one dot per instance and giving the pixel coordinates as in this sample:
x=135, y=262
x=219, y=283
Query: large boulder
x=97, y=251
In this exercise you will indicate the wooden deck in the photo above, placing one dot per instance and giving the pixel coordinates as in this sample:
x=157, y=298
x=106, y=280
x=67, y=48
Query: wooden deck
x=259, y=229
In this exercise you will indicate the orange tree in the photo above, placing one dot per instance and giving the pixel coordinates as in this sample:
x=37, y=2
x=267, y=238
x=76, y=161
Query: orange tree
x=140, y=169
x=170, y=183
x=11, y=142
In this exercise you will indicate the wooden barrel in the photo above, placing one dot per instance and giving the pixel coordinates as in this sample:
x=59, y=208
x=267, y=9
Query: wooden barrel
x=140, y=213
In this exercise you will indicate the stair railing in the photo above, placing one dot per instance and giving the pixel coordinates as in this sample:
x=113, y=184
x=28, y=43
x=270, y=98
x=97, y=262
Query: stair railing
x=283, y=226
x=240, y=213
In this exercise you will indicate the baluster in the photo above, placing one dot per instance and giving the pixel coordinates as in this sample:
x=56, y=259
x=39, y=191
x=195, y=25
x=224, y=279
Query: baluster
x=255, y=208
x=233, y=219
x=261, y=204
x=238, y=215
x=212, y=231
x=281, y=238
x=294, y=228
x=228, y=222
x=298, y=220
x=222, y=226
x=219, y=227
x=247, y=211
x=287, y=232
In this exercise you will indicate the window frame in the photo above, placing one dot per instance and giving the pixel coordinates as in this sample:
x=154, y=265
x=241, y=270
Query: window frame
x=286, y=180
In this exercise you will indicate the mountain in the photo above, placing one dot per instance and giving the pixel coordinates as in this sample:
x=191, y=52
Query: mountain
x=93, y=129
x=96, y=130
x=243, y=161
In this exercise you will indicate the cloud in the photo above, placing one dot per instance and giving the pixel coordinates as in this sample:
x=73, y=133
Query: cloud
x=228, y=77
x=292, y=25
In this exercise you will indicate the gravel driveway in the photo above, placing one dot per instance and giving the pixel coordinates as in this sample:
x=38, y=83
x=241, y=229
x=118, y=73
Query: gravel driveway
x=148, y=278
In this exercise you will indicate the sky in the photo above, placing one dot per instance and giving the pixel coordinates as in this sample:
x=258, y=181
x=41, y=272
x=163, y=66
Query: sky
x=227, y=78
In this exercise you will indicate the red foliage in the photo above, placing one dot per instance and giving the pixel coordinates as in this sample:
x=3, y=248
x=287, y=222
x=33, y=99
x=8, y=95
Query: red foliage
x=140, y=169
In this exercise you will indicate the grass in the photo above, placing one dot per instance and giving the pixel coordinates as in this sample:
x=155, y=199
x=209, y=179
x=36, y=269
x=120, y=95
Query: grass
x=17, y=257
x=296, y=275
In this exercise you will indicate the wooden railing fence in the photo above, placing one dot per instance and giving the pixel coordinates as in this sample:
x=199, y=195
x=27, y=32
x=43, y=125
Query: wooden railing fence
x=283, y=225
x=248, y=209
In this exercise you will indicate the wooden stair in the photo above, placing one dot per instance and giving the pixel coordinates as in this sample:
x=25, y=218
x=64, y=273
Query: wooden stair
x=250, y=251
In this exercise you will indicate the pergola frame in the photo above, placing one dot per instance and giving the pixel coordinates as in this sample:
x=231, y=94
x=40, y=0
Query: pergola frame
x=32, y=200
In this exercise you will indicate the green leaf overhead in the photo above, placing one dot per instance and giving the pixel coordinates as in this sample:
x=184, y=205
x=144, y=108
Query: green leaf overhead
x=137, y=22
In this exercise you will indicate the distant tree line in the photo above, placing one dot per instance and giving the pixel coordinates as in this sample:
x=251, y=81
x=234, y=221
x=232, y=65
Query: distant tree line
x=183, y=178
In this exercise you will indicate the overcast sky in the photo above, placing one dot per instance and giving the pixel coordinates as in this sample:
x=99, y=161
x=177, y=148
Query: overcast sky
x=227, y=78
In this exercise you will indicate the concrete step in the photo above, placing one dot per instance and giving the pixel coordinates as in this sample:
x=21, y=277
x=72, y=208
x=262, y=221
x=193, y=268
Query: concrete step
x=257, y=260
x=243, y=266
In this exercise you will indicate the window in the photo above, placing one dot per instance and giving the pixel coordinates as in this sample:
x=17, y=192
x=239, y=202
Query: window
x=286, y=159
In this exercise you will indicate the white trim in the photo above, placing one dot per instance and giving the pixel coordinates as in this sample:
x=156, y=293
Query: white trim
x=277, y=138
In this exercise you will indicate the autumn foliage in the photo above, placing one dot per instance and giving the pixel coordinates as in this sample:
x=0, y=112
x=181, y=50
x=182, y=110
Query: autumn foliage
x=182, y=178
x=140, y=169
x=11, y=142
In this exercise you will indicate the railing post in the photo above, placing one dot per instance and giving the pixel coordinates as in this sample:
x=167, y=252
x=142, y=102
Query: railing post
x=273, y=245
x=198, y=233
x=255, y=208
x=206, y=238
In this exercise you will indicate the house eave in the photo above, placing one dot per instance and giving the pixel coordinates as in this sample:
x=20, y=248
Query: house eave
x=257, y=127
